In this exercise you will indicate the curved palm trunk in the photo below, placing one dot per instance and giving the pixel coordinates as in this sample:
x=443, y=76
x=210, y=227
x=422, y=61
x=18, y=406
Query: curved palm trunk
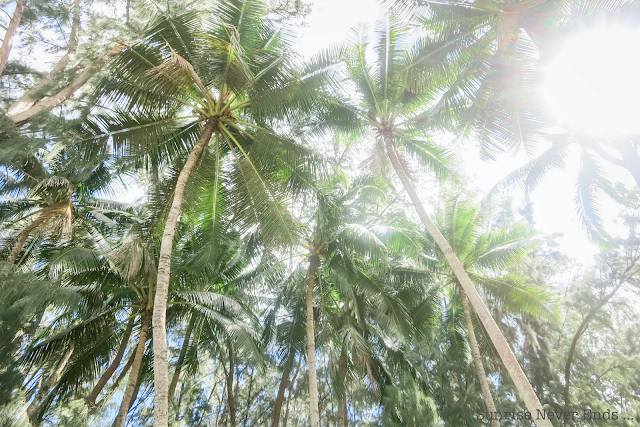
x=181, y=357
x=314, y=262
x=11, y=32
x=506, y=355
x=477, y=360
x=32, y=410
x=277, y=409
x=104, y=379
x=160, y=364
x=127, y=400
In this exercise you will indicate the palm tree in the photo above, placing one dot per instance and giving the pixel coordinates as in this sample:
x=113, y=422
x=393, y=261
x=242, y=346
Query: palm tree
x=189, y=82
x=52, y=194
x=394, y=104
x=487, y=255
x=346, y=246
x=115, y=282
x=498, y=49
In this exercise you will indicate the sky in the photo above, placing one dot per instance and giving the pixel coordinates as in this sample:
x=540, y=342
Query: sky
x=591, y=84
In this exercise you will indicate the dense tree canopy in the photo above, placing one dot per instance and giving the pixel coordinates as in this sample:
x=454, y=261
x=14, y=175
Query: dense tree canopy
x=307, y=249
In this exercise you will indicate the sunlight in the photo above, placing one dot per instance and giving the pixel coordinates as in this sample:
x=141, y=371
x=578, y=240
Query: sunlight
x=593, y=85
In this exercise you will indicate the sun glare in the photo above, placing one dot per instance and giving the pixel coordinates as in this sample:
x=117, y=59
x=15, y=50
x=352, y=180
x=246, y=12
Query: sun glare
x=593, y=85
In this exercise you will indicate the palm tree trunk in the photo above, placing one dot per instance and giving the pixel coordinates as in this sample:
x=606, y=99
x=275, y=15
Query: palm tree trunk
x=91, y=399
x=135, y=372
x=181, y=357
x=314, y=262
x=20, y=242
x=32, y=410
x=518, y=377
x=342, y=394
x=277, y=409
x=11, y=31
x=231, y=399
x=290, y=398
x=160, y=363
x=477, y=360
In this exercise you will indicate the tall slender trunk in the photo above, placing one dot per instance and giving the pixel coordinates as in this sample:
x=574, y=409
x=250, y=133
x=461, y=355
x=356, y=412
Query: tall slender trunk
x=10, y=33
x=231, y=398
x=32, y=410
x=291, y=385
x=284, y=381
x=247, y=406
x=518, y=377
x=122, y=374
x=35, y=94
x=181, y=357
x=477, y=360
x=314, y=262
x=135, y=372
x=342, y=392
x=160, y=364
x=91, y=399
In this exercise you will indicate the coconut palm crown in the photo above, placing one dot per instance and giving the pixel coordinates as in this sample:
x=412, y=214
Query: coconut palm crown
x=227, y=77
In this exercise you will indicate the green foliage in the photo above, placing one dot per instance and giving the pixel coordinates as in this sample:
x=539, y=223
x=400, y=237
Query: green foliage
x=274, y=188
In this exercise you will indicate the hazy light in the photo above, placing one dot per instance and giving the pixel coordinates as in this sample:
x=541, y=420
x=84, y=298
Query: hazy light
x=593, y=84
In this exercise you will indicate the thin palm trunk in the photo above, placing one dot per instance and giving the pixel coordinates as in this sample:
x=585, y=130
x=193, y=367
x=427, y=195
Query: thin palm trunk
x=135, y=372
x=7, y=41
x=181, y=357
x=231, y=399
x=160, y=362
x=342, y=394
x=314, y=262
x=291, y=385
x=32, y=410
x=91, y=399
x=277, y=409
x=477, y=360
x=518, y=377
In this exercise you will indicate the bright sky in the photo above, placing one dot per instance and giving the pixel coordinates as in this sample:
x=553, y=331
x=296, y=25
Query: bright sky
x=593, y=84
